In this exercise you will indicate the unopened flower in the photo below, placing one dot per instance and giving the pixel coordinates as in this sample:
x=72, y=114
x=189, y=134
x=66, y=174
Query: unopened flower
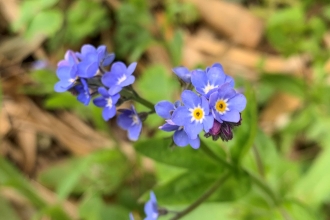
x=226, y=104
x=223, y=130
x=129, y=120
x=119, y=77
x=206, y=82
x=107, y=102
x=194, y=115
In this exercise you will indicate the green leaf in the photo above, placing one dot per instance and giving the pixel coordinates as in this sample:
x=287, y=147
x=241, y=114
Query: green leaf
x=189, y=186
x=7, y=211
x=285, y=83
x=10, y=176
x=62, y=101
x=47, y=22
x=314, y=187
x=28, y=11
x=94, y=208
x=44, y=83
x=164, y=89
x=175, y=47
x=244, y=134
x=186, y=157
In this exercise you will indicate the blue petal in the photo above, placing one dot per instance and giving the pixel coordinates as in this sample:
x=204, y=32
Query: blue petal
x=108, y=59
x=124, y=120
x=193, y=129
x=153, y=197
x=190, y=99
x=115, y=99
x=169, y=127
x=63, y=72
x=205, y=105
x=199, y=80
x=180, y=138
x=115, y=90
x=103, y=91
x=84, y=98
x=91, y=70
x=119, y=68
x=226, y=91
x=108, y=79
x=231, y=116
x=87, y=48
x=230, y=80
x=208, y=122
x=195, y=143
x=180, y=116
x=131, y=217
x=134, y=132
x=59, y=87
x=238, y=102
x=163, y=109
x=108, y=113
x=183, y=73
x=130, y=80
x=131, y=68
x=216, y=76
x=100, y=102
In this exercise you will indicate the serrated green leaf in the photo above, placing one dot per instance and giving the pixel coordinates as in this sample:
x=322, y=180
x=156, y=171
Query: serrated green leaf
x=196, y=160
x=244, y=134
x=47, y=22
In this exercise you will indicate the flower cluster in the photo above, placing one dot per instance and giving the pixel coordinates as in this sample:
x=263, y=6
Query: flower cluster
x=87, y=74
x=215, y=108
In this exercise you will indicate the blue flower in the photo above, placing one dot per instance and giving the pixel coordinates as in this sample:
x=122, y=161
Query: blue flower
x=208, y=81
x=84, y=95
x=226, y=104
x=165, y=110
x=131, y=217
x=119, y=76
x=194, y=115
x=129, y=120
x=67, y=72
x=151, y=208
x=91, y=59
x=183, y=73
x=108, y=102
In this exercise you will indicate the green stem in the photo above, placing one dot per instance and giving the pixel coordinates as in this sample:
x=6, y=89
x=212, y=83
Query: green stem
x=258, y=161
x=145, y=102
x=204, y=197
x=265, y=188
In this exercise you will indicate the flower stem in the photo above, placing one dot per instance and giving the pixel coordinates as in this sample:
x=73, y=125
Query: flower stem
x=204, y=197
x=136, y=97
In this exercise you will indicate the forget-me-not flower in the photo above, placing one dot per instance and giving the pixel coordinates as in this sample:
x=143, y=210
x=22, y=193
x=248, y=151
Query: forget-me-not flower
x=119, y=77
x=129, y=120
x=107, y=102
x=194, y=116
x=226, y=104
x=183, y=73
x=165, y=110
x=206, y=82
x=84, y=95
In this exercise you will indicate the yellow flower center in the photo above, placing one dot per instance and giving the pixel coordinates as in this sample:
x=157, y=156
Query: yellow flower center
x=198, y=113
x=221, y=106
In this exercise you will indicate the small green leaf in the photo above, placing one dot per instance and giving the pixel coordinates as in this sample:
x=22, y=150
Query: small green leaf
x=47, y=22
x=186, y=157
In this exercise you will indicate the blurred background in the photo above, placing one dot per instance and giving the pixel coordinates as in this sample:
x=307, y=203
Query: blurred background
x=60, y=160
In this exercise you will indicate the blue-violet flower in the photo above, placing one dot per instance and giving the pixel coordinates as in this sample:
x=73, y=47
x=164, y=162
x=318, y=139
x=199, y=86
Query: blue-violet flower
x=151, y=208
x=226, y=104
x=194, y=115
x=119, y=77
x=129, y=120
x=183, y=73
x=107, y=102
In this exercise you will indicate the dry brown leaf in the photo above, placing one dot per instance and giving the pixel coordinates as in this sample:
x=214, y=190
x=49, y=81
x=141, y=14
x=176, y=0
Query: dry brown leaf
x=27, y=140
x=277, y=112
x=231, y=19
